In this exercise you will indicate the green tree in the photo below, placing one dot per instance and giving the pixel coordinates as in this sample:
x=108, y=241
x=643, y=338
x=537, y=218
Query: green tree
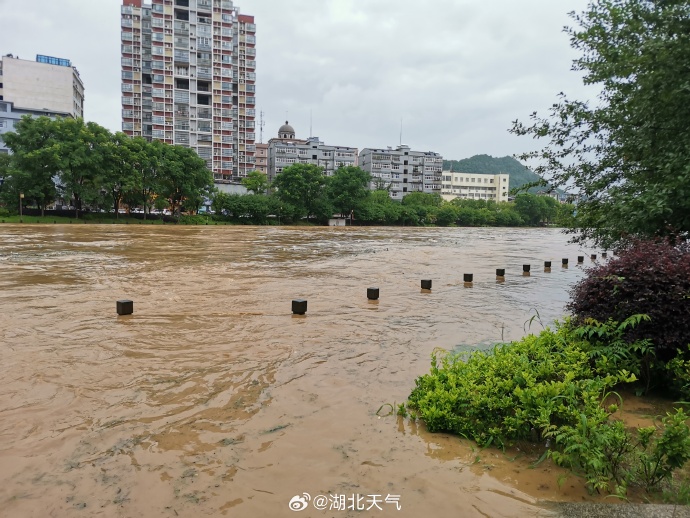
x=423, y=199
x=35, y=162
x=147, y=158
x=119, y=174
x=628, y=153
x=532, y=209
x=447, y=215
x=348, y=188
x=255, y=182
x=303, y=187
x=81, y=162
x=182, y=176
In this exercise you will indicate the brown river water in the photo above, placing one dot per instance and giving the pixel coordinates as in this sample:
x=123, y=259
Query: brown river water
x=214, y=400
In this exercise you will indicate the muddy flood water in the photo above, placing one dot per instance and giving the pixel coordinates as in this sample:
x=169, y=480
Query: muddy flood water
x=214, y=400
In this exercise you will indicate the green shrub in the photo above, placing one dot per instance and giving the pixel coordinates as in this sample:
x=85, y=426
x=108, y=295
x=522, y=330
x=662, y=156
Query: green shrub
x=194, y=220
x=677, y=375
x=611, y=459
x=503, y=395
x=610, y=351
x=648, y=277
x=553, y=386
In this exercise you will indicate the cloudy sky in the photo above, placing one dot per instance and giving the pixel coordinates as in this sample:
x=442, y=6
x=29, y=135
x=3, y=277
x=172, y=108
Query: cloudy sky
x=457, y=72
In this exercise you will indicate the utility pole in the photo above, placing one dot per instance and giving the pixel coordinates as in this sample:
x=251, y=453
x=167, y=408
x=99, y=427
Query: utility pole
x=262, y=123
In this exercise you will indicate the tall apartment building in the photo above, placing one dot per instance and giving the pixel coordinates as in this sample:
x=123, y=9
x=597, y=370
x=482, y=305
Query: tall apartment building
x=286, y=150
x=189, y=78
x=48, y=86
x=402, y=170
x=262, y=158
x=475, y=186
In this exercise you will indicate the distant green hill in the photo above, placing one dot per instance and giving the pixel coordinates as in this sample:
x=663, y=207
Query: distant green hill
x=485, y=164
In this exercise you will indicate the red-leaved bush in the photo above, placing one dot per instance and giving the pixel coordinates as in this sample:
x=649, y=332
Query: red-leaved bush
x=647, y=277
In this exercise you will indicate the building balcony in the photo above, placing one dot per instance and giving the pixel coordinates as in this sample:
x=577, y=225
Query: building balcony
x=181, y=26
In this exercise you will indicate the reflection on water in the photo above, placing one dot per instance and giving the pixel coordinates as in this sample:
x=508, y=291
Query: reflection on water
x=212, y=399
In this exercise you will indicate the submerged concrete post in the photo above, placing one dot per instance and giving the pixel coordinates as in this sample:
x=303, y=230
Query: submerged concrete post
x=373, y=293
x=426, y=284
x=526, y=268
x=547, y=264
x=468, y=277
x=125, y=307
x=564, y=261
x=500, y=272
x=299, y=306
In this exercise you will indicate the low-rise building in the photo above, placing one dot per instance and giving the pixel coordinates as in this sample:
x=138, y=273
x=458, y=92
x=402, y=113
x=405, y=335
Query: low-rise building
x=473, y=186
x=46, y=87
x=47, y=84
x=11, y=115
x=286, y=150
x=402, y=170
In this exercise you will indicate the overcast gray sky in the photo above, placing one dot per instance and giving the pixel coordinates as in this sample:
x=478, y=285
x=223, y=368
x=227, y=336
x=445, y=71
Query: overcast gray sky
x=457, y=72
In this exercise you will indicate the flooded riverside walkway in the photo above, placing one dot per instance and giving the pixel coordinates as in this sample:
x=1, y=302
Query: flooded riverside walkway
x=214, y=400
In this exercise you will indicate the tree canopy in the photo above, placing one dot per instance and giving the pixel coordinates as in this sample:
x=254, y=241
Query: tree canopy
x=348, y=188
x=255, y=182
x=303, y=187
x=87, y=164
x=628, y=154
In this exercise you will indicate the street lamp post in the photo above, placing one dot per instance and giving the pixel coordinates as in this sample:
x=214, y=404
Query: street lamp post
x=21, y=202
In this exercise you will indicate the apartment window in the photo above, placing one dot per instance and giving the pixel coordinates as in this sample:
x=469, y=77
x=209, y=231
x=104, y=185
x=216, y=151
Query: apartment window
x=181, y=55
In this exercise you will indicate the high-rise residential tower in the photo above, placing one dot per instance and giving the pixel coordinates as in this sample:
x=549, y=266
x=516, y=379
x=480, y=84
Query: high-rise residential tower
x=189, y=78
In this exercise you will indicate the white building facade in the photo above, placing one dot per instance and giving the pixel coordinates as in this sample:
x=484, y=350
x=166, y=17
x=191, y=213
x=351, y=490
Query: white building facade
x=49, y=87
x=471, y=186
x=48, y=84
x=402, y=170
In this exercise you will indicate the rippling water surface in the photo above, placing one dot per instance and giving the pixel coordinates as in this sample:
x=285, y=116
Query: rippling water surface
x=213, y=400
